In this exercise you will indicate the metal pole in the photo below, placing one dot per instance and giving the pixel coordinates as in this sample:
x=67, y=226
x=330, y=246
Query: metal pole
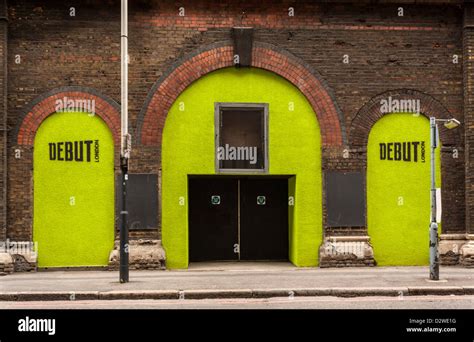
x=125, y=145
x=434, y=257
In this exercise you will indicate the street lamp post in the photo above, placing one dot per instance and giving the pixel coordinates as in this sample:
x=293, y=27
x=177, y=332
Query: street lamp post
x=434, y=253
x=125, y=145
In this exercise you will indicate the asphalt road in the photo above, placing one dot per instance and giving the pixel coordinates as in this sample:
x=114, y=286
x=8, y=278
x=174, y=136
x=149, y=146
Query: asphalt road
x=412, y=302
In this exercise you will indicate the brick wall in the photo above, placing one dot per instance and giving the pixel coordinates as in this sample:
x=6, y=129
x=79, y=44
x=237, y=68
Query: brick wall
x=386, y=52
x=468, y=40
x=3, y=124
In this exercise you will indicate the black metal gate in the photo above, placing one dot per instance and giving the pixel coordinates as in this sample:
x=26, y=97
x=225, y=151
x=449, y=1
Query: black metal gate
x=238, y=219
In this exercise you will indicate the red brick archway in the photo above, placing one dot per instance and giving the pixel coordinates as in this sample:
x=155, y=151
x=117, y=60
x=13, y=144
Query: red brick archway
x=371, y=112
x=265, y=56
x=44, y=106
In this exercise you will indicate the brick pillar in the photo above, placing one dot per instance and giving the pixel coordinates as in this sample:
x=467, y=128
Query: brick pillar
x=6, y=260
x=468, y=70
x=3, y=121
x=467, y=251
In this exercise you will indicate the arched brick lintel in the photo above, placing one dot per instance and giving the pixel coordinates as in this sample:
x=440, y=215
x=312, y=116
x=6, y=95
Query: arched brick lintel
x=371, y=112
x=220, y=55
x=45, y=105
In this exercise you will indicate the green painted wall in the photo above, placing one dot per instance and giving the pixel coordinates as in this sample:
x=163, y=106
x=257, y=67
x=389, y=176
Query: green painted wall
x=294, y=149
x=73, y=201
x=398, y=193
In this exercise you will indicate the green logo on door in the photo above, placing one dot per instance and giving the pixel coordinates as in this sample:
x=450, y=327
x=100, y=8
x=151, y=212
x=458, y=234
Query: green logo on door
x=216, y=200
x=261, y=200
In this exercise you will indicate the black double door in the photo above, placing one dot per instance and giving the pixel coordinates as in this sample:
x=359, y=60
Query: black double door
x=238, y=219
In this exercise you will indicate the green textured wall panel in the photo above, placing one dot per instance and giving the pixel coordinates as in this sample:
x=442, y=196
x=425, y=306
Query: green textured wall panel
x=398, y=191
x=294, y=149
x=73, y=199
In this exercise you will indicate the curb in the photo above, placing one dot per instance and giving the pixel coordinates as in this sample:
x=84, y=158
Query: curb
x=49, y=296
x=237, y=293
x=438, y=290
x=215, y=294
x=136, y=295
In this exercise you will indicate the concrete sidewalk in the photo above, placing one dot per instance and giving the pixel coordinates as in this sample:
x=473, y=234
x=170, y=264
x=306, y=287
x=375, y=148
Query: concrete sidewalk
x=236, y=280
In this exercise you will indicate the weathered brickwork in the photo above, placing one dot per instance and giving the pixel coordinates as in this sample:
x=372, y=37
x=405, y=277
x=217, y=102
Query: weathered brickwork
x=422, y=53
x=3, y=117
x=41, y=108
x=468, y=42
x=264, y=56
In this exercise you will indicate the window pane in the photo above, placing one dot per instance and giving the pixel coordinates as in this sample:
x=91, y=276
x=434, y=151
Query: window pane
x=241, y=144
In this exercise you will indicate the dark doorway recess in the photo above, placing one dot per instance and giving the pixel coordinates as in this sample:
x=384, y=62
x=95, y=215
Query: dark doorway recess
x=243, y=218
x=213, y=227
x=264, y=226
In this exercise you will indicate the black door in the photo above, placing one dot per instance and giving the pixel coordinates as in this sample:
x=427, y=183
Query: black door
x=213, y=219
x=264, y=219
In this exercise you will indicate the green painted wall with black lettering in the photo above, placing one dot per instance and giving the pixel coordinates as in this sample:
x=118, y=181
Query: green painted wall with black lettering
x=294, y=149
x=398, y=191
x=73, y=200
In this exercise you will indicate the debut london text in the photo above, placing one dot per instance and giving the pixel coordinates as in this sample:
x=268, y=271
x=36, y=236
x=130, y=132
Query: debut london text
x=408, y=151
x=75, y=151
